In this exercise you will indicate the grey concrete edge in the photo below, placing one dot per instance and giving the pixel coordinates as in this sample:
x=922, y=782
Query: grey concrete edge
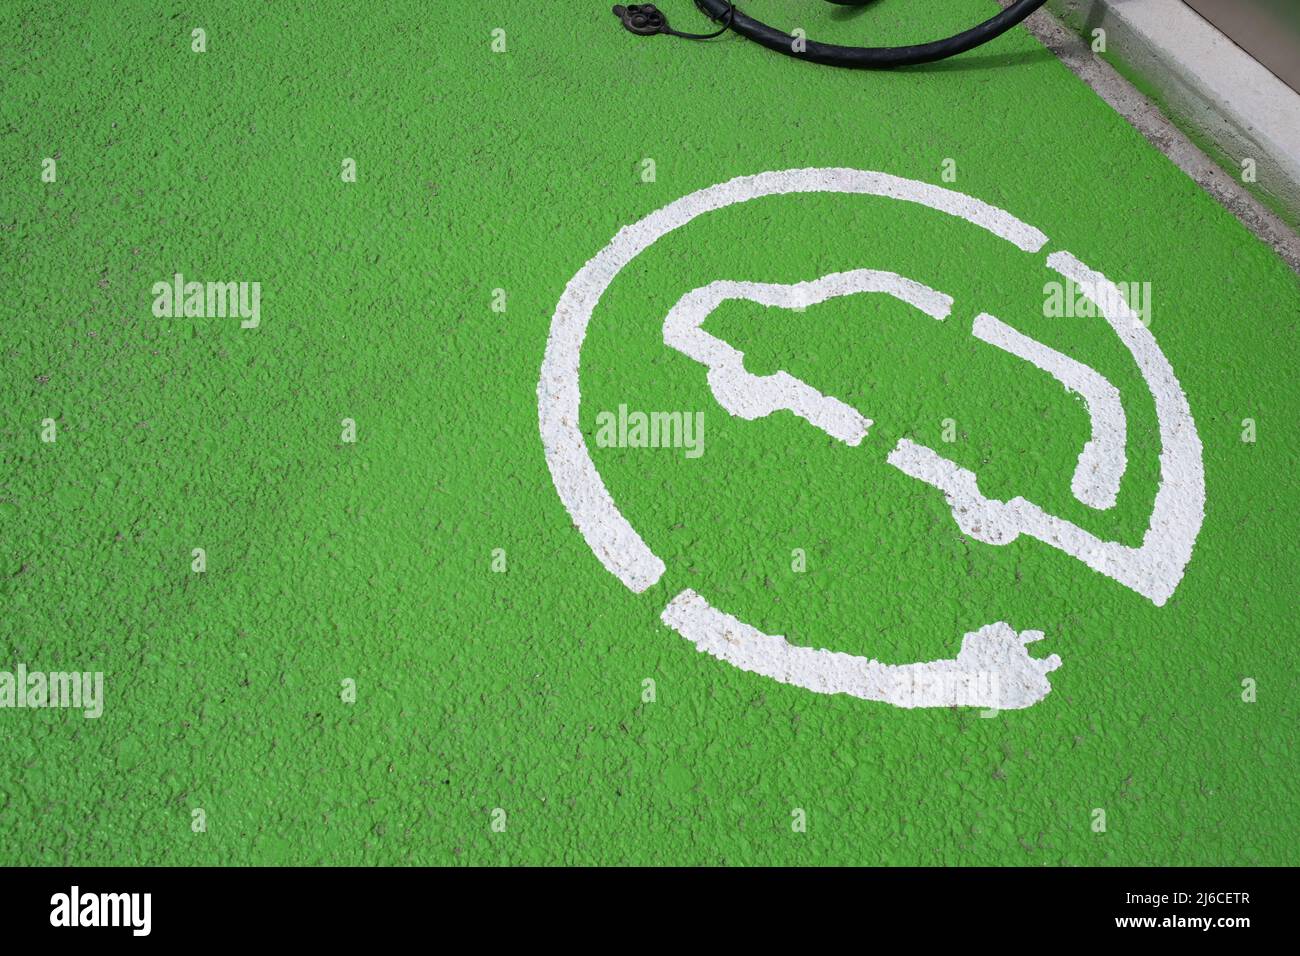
x=1215, y=93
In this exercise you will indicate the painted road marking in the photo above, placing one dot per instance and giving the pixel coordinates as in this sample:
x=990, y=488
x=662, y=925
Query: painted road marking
x=750, y=396
x=993, y=669
x=995, y=653
x=1101, y=463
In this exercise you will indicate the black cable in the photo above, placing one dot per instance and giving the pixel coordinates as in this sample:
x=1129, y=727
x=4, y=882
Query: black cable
x=864, y=57
x=730, y=17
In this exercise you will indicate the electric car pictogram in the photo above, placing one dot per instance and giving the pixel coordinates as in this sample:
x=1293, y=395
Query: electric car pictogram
x=993, y=668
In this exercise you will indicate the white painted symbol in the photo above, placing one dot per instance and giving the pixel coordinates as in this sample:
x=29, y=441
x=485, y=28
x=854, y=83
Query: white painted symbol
x=993, y=668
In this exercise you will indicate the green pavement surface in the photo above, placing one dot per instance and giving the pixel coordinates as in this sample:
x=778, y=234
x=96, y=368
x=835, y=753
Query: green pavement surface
x=502, y=717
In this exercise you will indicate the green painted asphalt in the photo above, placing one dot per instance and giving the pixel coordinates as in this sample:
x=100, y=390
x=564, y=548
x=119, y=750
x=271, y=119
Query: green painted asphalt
x=524, y=691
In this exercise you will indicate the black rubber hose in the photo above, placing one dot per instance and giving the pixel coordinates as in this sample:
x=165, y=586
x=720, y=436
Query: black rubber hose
x=865, y=57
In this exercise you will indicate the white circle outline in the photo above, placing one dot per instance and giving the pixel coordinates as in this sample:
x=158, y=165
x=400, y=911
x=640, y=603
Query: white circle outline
x=1153, y=569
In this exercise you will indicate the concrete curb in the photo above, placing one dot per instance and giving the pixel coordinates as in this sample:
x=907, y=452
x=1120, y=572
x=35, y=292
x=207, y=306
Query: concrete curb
x=1227, y=104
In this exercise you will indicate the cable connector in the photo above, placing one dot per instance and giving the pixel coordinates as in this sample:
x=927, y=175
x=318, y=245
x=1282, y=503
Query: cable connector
x=645, y=20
